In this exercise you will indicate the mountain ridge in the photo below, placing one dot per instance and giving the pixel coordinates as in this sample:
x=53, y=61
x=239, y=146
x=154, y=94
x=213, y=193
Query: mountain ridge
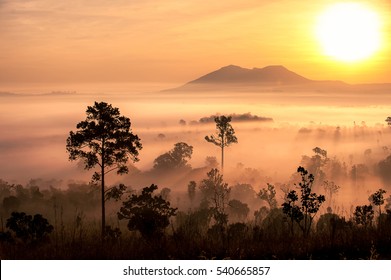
x=272, y=74
x=271, y=77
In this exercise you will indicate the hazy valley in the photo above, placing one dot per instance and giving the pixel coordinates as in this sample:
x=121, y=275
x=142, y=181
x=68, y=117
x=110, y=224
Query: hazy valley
x=278, y=122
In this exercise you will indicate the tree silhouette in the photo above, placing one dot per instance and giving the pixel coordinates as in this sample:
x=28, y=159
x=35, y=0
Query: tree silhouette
x=215, y=191
x=304, y=212
x=363, y=215
x=377, y=199
x=329, y=224
x=320, y=152
x=330, y=188
x=383, y=169
x=105, y=140
x=238, y=209
x=28, y=228
x=316, y=163
x=268, y=195
x=175, y=158
x=292, y=210
x=115, y=192
x=191, y=191
x=225, y=135
x=147, y=213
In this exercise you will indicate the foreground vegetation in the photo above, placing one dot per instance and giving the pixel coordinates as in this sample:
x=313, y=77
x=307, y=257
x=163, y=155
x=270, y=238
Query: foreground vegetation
x=214, y=226
x=248, y=243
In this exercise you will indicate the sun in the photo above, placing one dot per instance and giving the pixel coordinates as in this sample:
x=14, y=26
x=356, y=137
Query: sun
x=349, y=32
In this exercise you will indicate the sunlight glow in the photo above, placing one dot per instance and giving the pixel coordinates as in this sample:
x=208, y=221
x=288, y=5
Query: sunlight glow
x=349, y=32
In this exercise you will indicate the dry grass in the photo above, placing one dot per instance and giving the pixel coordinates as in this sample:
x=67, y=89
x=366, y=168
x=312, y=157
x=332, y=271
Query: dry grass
x=235, y=242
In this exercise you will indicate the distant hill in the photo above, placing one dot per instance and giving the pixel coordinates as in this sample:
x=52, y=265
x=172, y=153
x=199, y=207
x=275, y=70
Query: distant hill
x=275, y=77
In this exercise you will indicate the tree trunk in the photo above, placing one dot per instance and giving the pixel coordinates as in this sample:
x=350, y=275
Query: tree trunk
x=222, y=159
x=103, y=191
x=222, y=153
x=103, y=203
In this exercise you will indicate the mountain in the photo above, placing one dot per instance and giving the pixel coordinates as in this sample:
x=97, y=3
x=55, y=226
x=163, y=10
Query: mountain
x=273, y=77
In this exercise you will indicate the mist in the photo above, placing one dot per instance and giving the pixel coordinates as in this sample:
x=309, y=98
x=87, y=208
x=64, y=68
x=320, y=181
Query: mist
x=340, y=138
x=274, y=129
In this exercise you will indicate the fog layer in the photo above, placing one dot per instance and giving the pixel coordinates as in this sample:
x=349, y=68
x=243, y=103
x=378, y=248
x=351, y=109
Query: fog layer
x=351, y=128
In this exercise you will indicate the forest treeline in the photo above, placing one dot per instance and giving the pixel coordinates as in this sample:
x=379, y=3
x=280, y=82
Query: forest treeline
x=207, y=218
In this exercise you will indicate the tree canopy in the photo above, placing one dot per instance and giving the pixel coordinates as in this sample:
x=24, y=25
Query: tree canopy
x=104, y=138
x=147, y=213
x=176, y=158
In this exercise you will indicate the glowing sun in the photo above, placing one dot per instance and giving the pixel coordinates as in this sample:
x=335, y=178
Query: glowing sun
x=349, y=31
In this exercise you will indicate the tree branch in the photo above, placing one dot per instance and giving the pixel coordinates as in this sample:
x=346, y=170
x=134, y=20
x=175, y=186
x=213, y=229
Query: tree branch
x=108, y=171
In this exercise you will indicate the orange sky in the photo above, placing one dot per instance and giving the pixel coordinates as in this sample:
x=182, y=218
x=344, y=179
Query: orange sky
x=53, y=41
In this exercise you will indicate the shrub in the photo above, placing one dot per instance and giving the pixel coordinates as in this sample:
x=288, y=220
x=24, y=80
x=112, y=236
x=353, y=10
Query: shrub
x=363, y=215
x=147, y=213
x=27, y=228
